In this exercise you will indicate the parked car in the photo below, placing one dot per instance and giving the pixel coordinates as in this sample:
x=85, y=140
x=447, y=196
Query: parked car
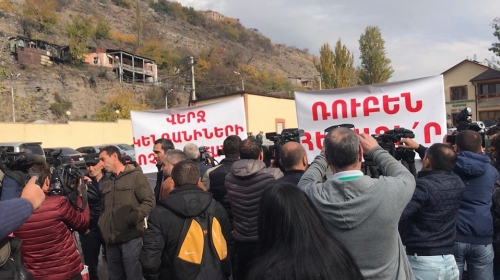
x=89, y=149
x=17, y=147
x=125, y=149
x=67, y=155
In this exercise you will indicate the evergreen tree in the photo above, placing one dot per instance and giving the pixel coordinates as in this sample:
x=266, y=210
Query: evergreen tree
x=375, y=67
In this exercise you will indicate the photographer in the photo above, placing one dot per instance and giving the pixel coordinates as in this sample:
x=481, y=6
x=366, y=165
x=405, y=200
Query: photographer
x=473, y=242
x=48, y=249
x=362, y=212
x=193, y=153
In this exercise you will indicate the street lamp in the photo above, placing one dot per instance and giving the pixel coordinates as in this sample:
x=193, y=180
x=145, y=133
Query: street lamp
x=68, y=114
x=117, y=112
x=242, y=82
x=12, y=95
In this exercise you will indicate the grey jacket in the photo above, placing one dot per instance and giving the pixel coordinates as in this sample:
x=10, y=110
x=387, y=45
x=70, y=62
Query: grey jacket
x=245, y=184
x=363, y=213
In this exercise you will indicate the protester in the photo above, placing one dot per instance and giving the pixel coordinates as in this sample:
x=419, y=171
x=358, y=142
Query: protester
x=428, y=223
x=193, y=153
x=294, y=243
x=48, y=248
x=362, y=212
x=91, y=240
x=163, y=236
x=160, y=148
x=473, y=241
x=215, y=177
x=127, y=200
x=169, y=160
x=293, y=160
x=246, y=182
x=260, y=137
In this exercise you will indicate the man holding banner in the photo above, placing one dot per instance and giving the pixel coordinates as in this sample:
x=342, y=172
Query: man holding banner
x=362, y=212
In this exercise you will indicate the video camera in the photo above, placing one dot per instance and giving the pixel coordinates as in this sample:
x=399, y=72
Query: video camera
x=464, y=122
x=64, y=181
x=388, y=142
x=287, y=135
x=17, y=161
x=206, y=157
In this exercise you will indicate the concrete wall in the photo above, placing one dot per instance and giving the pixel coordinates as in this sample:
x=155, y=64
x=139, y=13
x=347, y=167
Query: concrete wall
x=74, y=134
x=263, y=113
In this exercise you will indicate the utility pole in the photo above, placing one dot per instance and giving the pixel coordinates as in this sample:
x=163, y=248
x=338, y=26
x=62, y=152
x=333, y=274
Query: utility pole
x=193, y=92
x=12, y=96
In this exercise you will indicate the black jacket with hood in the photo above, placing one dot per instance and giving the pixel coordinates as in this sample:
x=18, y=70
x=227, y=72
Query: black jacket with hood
x=165, y=223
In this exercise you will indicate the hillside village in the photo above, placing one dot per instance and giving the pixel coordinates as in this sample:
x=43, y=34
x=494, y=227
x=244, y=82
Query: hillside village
x=143, y=56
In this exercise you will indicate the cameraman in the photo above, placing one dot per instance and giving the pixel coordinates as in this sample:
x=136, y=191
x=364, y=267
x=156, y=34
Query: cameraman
x=14, y=212
x=293, y=159
x=193, y=153
x=48, y=248
x=14, y=180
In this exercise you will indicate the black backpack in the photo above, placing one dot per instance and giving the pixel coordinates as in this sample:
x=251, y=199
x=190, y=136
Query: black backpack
x=201, y=248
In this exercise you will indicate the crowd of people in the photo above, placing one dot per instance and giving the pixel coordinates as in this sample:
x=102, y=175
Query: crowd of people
x=245, y=219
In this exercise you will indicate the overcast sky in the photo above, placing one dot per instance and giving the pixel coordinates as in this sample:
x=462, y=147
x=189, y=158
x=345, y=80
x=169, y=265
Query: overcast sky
x=422, y=38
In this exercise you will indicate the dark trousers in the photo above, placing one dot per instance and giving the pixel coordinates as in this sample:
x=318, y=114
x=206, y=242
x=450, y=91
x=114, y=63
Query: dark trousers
x=123, y=260
x=91, y=247
x=78, y=277
x=245, y=253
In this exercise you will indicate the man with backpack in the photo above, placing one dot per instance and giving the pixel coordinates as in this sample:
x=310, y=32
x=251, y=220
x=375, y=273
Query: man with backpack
x=188, y=232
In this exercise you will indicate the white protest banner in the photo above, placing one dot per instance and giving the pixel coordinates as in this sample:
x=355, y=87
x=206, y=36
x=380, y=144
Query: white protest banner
x=417, y=105
x=204, y=125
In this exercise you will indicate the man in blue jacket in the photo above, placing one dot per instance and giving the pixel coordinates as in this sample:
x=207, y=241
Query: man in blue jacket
x=473, y=242
x=428, y=223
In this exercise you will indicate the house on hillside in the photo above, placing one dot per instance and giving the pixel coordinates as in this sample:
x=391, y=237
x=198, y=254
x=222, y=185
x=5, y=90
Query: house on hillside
x=36, y=52
x=475, y=85
x=128, y=67
x=301, y=82
x=218, y=17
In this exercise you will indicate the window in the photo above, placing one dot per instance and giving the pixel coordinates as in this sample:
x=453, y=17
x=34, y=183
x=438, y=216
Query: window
x=490, y=90
x=96, y=60
x=280, y=125
x=484, y=115
x=458, y=93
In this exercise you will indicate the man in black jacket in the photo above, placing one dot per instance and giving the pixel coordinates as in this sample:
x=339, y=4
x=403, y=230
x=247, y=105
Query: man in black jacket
x=428, y=223
x=160, y=148
x=215, y=177
x=91, y=240
x=293, y=159
x=166, y=220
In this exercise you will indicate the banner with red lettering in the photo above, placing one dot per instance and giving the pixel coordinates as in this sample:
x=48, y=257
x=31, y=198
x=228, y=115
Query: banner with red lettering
x=204, y=125
x=417, y=105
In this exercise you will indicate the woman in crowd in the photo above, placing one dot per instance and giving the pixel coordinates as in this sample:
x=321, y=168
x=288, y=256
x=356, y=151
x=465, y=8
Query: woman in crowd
x=294, y=243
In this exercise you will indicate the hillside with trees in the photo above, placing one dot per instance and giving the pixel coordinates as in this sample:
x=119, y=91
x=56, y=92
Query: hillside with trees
x=225, y=53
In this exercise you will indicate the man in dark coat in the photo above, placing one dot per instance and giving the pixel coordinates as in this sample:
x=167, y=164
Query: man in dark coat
x=166, y=221
x=160, y=149
x=428, y=223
